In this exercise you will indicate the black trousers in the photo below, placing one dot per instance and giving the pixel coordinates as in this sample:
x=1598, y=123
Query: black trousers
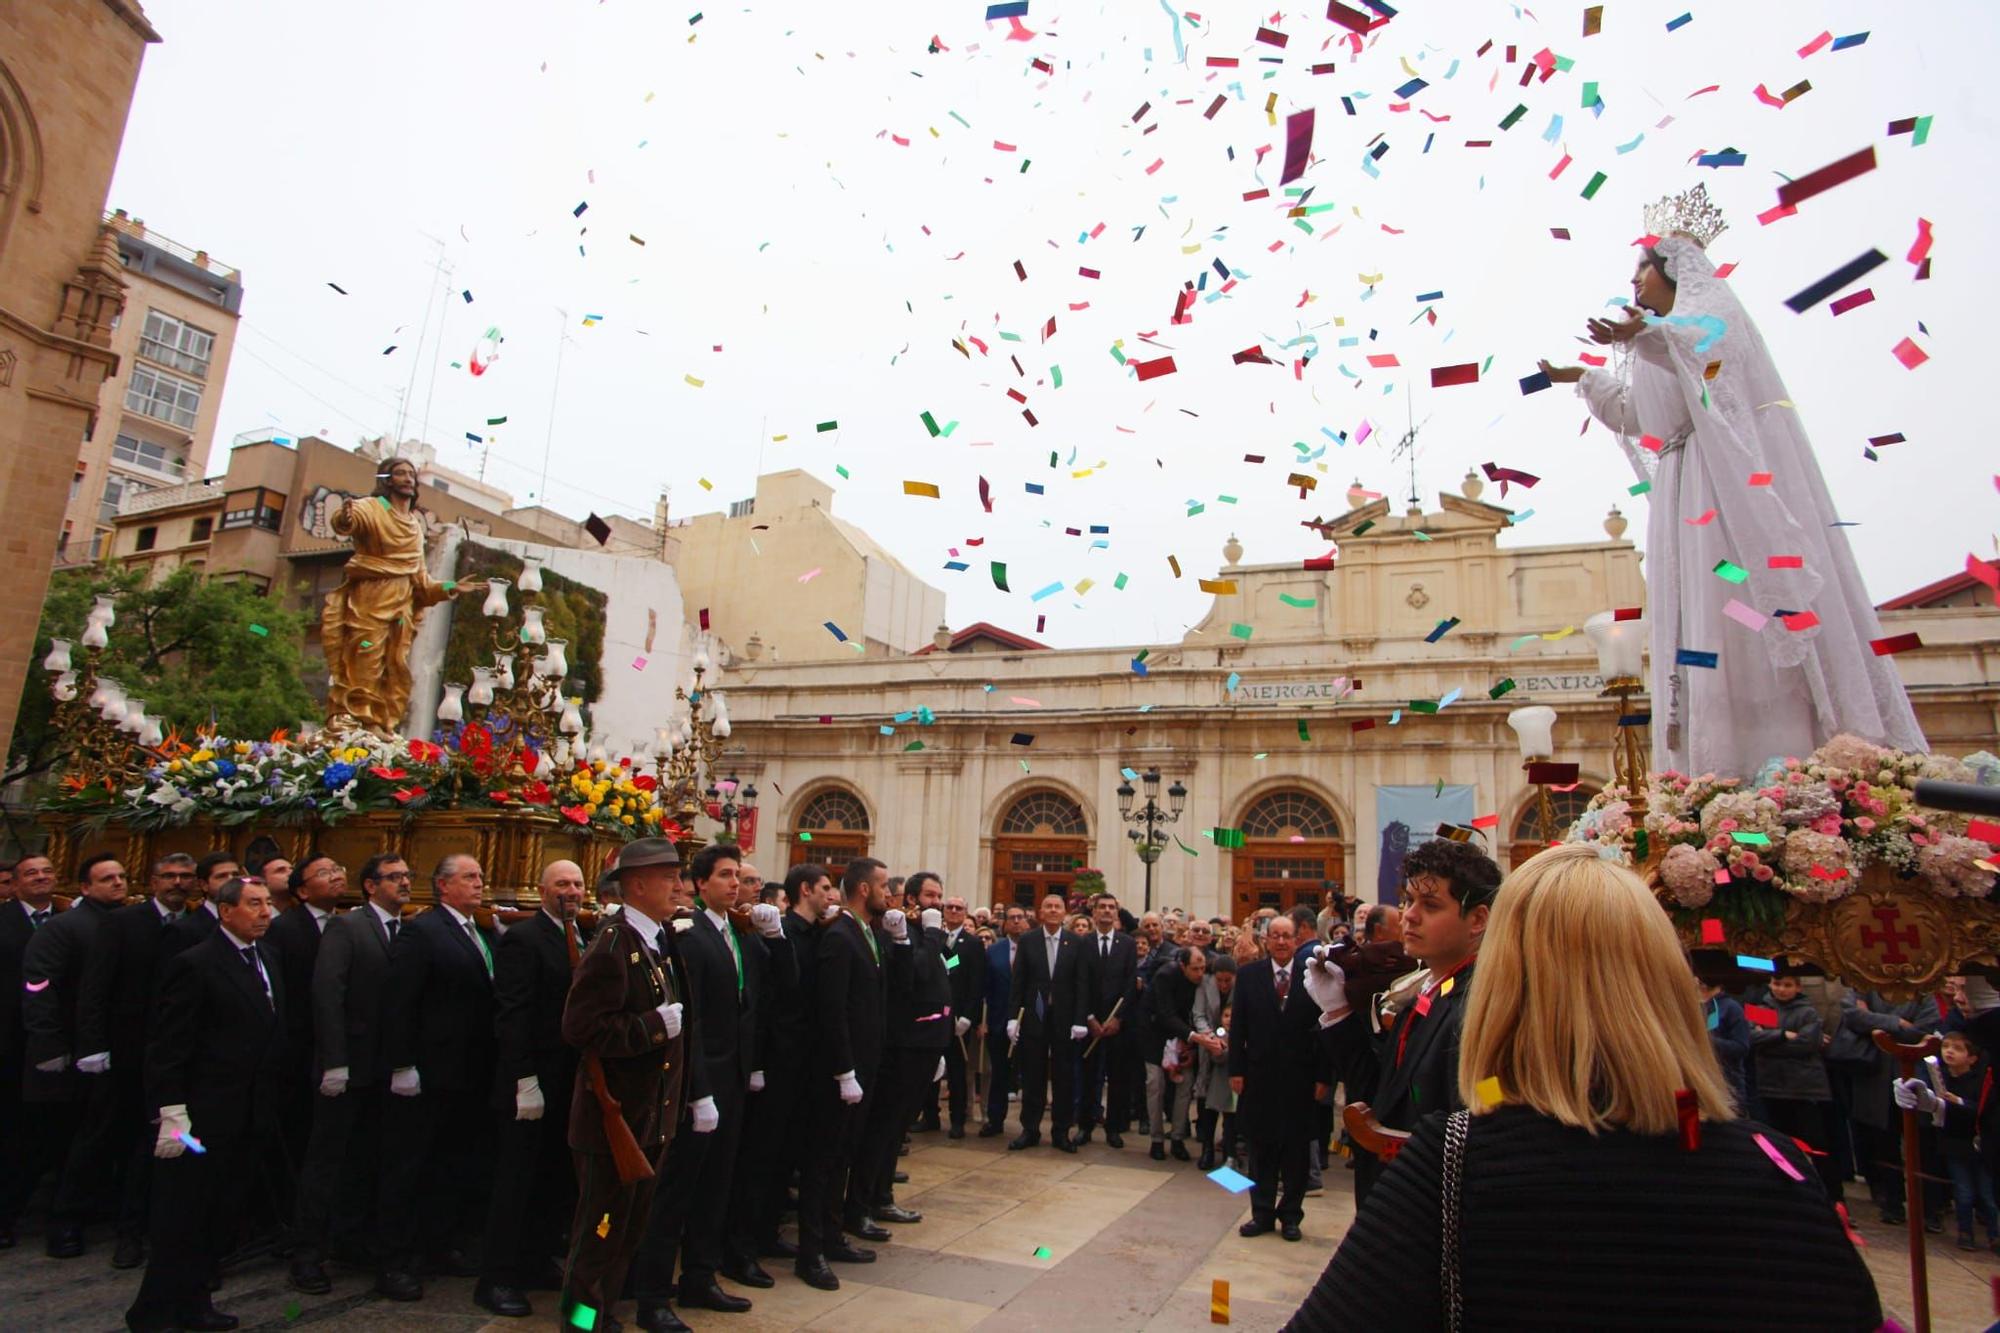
x=197, y=1201
x=777, y=1133
x=534, y=1189
x=108, y=1166
x=343, y=1163
x=824, y=1173
x=958, y=1077
x=438, y=1170
x=999, y=1077
x=34, y=1140
x=902, y=1080
x=1808, y=1121
x=1280, y=1160
x=702, y=1247
x=1043, y=1061
x=659, y=1253
x=604, y=1235
x=1110, y=1064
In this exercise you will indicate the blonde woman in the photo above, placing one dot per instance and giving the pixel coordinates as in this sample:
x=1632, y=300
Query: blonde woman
x=1583, y=1197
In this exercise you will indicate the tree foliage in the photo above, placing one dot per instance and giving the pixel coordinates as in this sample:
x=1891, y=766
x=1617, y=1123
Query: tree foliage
x=201, y=652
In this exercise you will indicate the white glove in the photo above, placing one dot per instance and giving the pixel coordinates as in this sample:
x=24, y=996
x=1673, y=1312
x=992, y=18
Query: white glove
x=940, y=1070
x=406, y=1082
x=829, y=912
x=850, y=1088
x=1013, y=1029
x=931, y=918
x=756, y=1080
x=961, y=1025
x=1913, y=1094
x=173, y=1123
x=333, y=1082
x=55, y=1066
x=1078, y=1032
x=1327, y=985
x=99, y=1063
x=670, y=1014
x=896, y=924
x=766, y=918
x=706, y=1117
x=528, y=1100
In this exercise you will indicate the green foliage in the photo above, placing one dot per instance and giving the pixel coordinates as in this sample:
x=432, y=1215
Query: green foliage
x=572, y=612
x=189, y=646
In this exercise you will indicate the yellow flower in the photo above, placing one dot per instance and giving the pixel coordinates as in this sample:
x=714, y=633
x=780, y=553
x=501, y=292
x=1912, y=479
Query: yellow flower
x=590, y=808
x=653, y=815
x=201, y=756
x=618, y=807
x=243, y=747
x=625, y=819
x=173, y=766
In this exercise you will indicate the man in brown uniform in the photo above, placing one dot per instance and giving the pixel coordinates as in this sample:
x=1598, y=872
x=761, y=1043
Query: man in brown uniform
x=624, y=1013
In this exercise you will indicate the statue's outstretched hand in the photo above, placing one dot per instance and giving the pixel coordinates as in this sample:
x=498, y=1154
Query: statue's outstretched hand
x=1604, y=332
x=1561, y=374
x=478, y=586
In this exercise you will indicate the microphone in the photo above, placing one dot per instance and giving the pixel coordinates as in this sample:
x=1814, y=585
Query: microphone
x=1964, y=798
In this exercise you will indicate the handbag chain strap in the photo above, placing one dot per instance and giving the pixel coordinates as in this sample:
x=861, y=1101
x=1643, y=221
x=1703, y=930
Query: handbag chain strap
x=1454, y=1180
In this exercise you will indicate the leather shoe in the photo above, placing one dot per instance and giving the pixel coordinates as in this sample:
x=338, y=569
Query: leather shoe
x=505, y=1301
x=748, y=1273
x=131, y=1252
x=778, y=1248
x=930, y=1126
x=956, y=1132
x=1207, y=1162
x=309, y=1275
x=65, y=1242
x=1254, y=1227
x=1180, y=1151
x=1064, y=1143
x=211, y=1320
x=900, y=1178
x=991, y=1131
x=1113, y=1139
x=1082, y=1136
x=1290, y=1231
x=711, y=1296
x=866, y=1229
x=1159, y=1152
x=898, y=1214
x=843, y=1253
x=655, y=1317
x=815, y=1273
x=398, y=1285
x=452, y=1263
x=1016, y=1144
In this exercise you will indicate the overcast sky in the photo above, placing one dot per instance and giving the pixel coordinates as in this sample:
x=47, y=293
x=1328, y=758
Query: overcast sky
x=806, y=267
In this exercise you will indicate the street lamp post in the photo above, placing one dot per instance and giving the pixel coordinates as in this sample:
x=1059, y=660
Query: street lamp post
x=1148, y=832
x=732, y=801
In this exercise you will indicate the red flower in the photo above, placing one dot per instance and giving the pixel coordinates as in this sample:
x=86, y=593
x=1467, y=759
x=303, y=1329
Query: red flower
x=408, y=794
x=646, y=782
x=475, y=739
x=625, y=761
x=503, y=797
x=576, y=814
x=530, y=760
x=387, y=774
x=426, y=753
x=671, y=831
x=537, y=793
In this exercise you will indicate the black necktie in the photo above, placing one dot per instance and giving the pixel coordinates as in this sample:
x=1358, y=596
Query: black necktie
x=1104, y=946
x=250, y=960
x=394, y=924
x=39, y=919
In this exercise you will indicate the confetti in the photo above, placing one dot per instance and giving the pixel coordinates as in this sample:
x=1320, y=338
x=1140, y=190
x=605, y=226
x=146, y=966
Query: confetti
x=1694, y=658
x=923, y=488
x=1898, y=643
x=1909, y=354
x=1446, y=376
x=1794, y=193
x=1730, y=572
x=1834, y=281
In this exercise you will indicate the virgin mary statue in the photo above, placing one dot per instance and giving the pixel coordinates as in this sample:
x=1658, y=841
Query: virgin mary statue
x=1743, y=564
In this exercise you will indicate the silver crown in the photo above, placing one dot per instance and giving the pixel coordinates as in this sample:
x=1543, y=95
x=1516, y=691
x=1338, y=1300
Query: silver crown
x=1689, y=212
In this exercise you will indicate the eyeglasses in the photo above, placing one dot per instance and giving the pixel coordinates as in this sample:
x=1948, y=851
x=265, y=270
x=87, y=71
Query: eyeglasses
x=394, y=875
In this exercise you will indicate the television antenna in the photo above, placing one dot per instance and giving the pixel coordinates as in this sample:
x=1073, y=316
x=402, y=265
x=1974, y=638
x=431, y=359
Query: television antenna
x=1408, y=446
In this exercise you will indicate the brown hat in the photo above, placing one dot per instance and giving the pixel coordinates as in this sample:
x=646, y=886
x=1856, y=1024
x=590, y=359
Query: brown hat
x=642, y=852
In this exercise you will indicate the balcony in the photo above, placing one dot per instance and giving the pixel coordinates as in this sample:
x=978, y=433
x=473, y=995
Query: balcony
x=169, y=497
x=137, y=229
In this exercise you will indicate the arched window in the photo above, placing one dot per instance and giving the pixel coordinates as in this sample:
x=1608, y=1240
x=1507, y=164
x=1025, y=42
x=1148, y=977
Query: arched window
x=1045, y=814
x=1527, y=839
x=831, y=829
x=1289, y=814
x=835, y=809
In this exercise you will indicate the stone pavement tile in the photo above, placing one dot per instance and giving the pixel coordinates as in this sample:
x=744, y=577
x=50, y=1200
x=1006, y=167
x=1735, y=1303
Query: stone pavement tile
x=789, y=1305
x=1270, y=1268
x=1960, y=1282
x=1137, y=1179
x=1063, y=1217
x=882, y=1307
x=950, y=1212
x=1189, y=1310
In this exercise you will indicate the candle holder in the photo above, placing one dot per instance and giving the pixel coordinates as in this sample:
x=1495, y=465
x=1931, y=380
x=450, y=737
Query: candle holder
x=1620, y=640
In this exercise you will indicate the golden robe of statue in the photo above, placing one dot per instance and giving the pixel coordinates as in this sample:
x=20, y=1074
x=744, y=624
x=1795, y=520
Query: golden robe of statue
x=370, y=620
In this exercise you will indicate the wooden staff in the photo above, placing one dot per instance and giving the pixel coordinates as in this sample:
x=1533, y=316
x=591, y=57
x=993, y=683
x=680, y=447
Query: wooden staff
x=1100, y=1030
x=1019, y=1014
x=1371, y=1134
x=1907, y=1059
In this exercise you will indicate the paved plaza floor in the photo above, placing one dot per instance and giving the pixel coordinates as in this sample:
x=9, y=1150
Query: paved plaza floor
x=1131, y=1244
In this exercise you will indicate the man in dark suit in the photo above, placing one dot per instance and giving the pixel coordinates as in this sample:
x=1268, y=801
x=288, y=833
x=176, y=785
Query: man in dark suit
x=33, y=1135
x=1275, y=1068
x=533, y=1189
x=725, y=964
x=210, y=874
x=1110, y=1010
x=214, y=1070
x=999, y=1009
x=856, y=959
x=113, y=1150
x=780, y=1133
x=1047, y=990
x=52, y=988
x=627, y=1020
x=438, y=1020
x=1411, y=1069
x=918, y=1024
x=343, y=1156
x=318, y=884
x=965, y=961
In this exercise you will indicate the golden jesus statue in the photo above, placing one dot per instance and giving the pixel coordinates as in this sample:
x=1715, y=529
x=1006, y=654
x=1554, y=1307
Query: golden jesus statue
x=370, y=620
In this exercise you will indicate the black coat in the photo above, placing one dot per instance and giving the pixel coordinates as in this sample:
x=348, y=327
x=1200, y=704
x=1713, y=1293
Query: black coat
x=917, y=1017
x=15, y=931
x=1107, y=981
x=1060, y=993
x=218, y=1042
x=790, y=1030
x=728, y=1049
x=965, y=961
x=852, y=997
x=1273, y=1051
x=350, y=983
x=1426, y=1079
x=1170, y=1012
x=294, y=938
x=438, y=1014
x=119, y=981
x=51, y=987
x=195, y=925
x=531, y=979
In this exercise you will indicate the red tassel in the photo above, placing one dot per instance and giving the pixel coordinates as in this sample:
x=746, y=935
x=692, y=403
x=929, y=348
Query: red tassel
x=1848, y=1226
x=1690, y=1113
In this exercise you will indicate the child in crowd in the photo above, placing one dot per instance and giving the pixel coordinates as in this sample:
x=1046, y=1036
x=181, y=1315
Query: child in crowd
x=1791, y=1074
x=1968, y=1098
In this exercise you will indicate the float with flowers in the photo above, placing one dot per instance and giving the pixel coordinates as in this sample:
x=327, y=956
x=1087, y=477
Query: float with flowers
x=1828, y=862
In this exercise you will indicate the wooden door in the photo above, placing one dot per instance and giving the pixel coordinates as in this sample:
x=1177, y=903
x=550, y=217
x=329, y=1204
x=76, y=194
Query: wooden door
x=1282, y=874
x=1026, y=870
